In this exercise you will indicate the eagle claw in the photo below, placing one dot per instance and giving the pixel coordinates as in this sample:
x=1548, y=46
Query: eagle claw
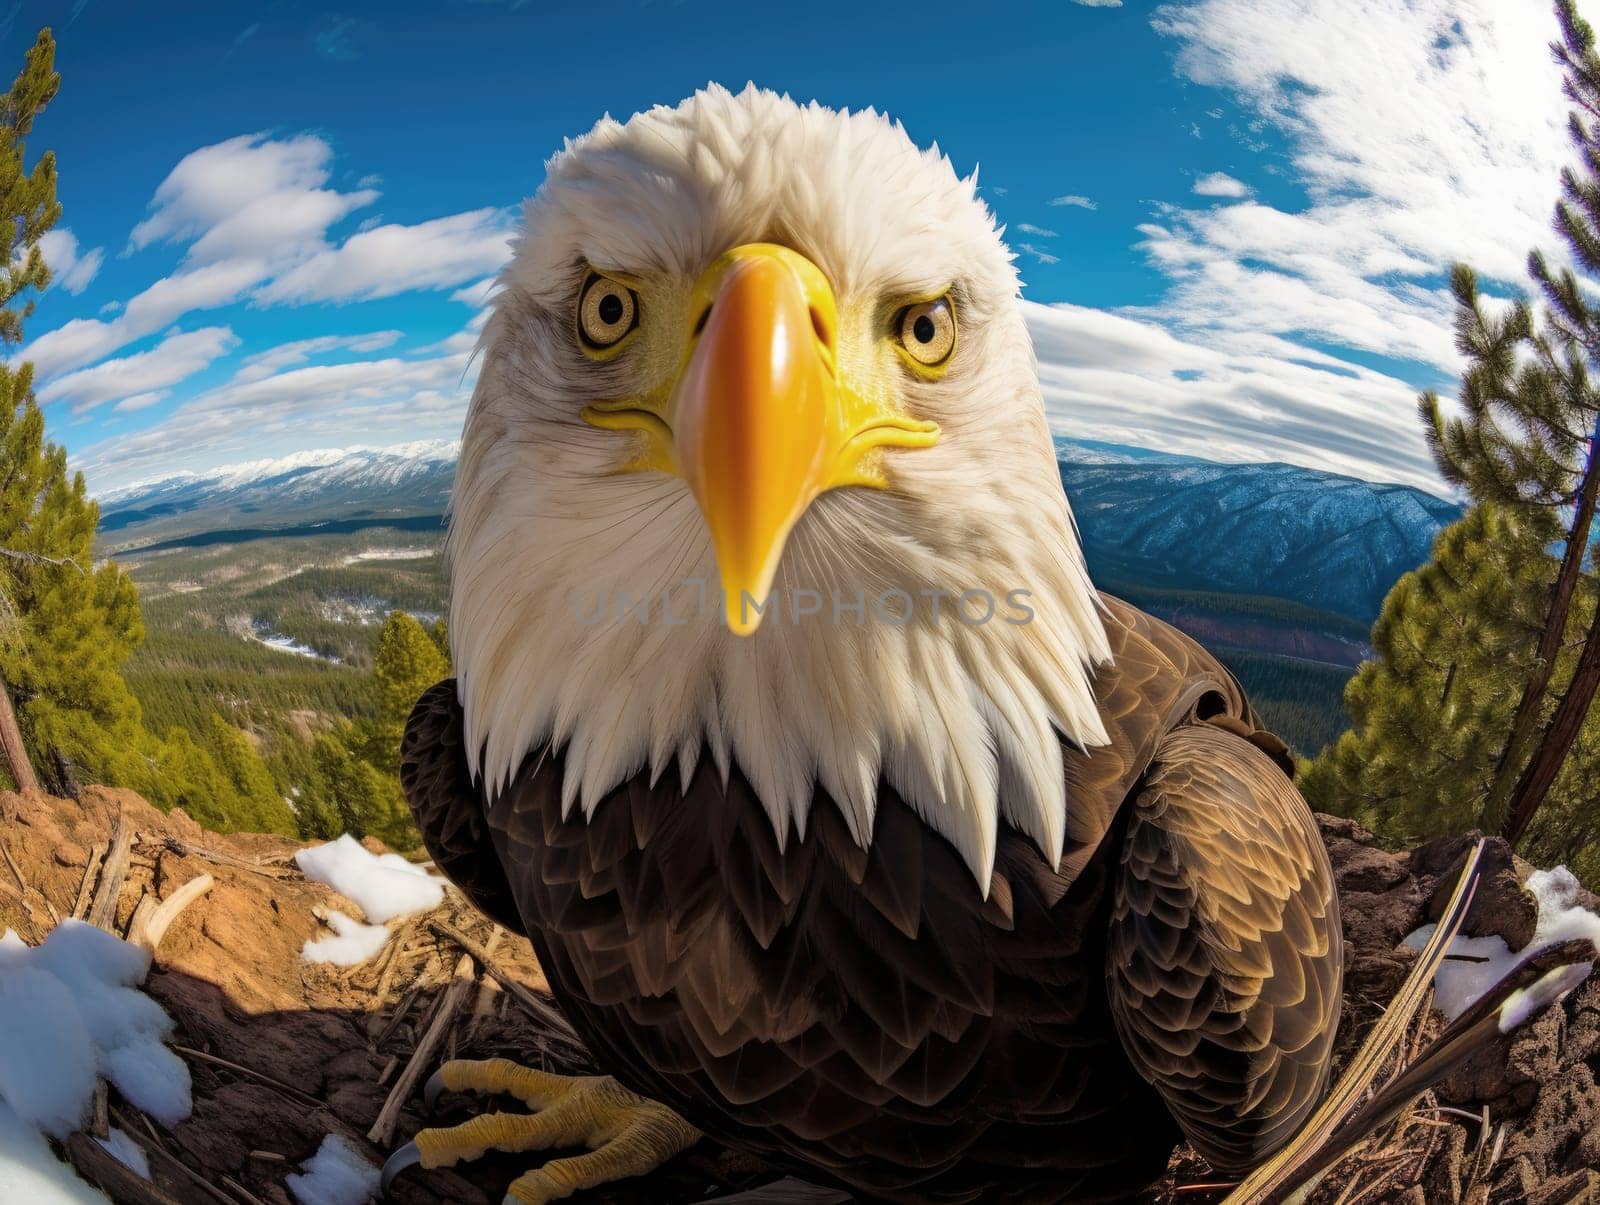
x=407, y=1156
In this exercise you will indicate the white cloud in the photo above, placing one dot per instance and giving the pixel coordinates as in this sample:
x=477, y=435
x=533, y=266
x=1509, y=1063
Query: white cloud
x=181, y=354
x=1125, y=380
x=264, y=364
x=1220, y=184
x=1075, y=201
x=312, y=406
x=396, y=259
x=70, y=267
x=250, y=196
x=1039, y=231
x=1039, y=253
x=478, y=293
x=1099, y=3
x=1435, y=135
x=140, y=401
x=85, y=340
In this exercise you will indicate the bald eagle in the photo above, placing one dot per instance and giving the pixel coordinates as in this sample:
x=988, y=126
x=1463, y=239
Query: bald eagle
x=850, y=824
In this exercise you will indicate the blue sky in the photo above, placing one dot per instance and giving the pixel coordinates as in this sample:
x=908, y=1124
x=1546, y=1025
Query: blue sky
x=1235, y=215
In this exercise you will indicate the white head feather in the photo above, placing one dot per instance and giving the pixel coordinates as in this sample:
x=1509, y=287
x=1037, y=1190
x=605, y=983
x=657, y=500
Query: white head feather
x=961, y=719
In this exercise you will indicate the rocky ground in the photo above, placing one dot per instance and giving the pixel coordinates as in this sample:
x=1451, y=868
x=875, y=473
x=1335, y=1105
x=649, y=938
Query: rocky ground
x=283, y=1052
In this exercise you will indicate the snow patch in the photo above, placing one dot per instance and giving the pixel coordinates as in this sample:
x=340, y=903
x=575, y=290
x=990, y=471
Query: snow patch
x=1458, y=984
x=29, y=1172
x=126, y=1152
x=335, y=1175
x=383, y=887
x=70, y=1012
x=352, y=942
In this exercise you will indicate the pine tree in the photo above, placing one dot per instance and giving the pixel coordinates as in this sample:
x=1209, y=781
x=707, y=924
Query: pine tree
x=1430, y=709
x=1526, y=441
x=410, y=658
x=28, y=208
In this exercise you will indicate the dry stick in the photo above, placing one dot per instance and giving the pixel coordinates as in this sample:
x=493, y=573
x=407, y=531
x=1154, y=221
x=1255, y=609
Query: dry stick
x=148, y=928
x=382, y=1131
x=541, y=1011
x=142, y=912
x=103, y=912
x=22, y=883
x=104, y=1170
x=397, y=947
x=288, y=1090
x=99, y=1121
x=393, y=1023
x=80, y=904
x=184, y=850
x=244, y=1192
x=157, y=1147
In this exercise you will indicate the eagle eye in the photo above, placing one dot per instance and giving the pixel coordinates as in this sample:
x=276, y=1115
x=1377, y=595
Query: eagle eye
x=927, y=331
x=607, y=311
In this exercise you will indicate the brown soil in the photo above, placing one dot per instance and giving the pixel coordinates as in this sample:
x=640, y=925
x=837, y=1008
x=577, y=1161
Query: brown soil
x=306, y=1050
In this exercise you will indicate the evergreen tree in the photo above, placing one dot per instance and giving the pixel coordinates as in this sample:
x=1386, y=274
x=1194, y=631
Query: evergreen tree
x=1524, y=447
x=28, y=208
x=71, y=625
x=408, y=661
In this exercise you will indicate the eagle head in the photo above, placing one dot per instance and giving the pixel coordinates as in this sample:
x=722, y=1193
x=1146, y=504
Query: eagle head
x=757, y=465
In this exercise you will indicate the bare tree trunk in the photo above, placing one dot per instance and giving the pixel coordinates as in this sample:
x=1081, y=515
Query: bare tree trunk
x=1497, y=807
x=11, y=747
x=1558, y=738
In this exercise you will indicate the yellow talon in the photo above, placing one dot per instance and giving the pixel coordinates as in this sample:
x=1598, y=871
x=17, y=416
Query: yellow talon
x=626, y=1134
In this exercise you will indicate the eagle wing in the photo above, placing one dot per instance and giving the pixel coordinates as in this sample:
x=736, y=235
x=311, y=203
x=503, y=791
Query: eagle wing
x=448, y=807
x=1225, y=959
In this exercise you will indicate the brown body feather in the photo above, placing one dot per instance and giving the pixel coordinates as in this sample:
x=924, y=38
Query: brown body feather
x=868, y=1018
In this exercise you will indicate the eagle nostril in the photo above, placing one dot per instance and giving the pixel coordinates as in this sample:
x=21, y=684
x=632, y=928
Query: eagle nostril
x=820, y=325
x=700, y=322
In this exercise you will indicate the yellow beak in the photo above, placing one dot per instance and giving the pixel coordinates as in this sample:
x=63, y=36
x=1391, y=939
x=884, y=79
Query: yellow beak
x=759, y=422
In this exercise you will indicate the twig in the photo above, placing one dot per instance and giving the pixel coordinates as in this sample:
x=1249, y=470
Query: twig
x=184, y=850
x=22, y=883
x=156, y=922
x=103, y=911
x=289, y=1090
x=397, y=948
x=157, y=1147
x=244, y=1192
x=39, y=558
x=382, y=1131
x=80, y=904
x=542, y=1012
x=104, y=1170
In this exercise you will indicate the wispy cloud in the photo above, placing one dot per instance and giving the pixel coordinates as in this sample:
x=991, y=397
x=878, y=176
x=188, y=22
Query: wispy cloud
x=253, y=215
x=263, y=364
x=240, y=38
x=1037, y=231
x=1435, y=136
x=1220, y=184
x=1039, y=253
x=1099, y=3
x=333, y=41
x=178, y=356
x=1129, y=380
x=71, y=268
x=394, y=259
x=1073, y=199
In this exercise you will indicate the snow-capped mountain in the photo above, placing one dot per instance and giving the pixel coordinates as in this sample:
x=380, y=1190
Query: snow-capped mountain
x=411, y=478
x=1331, y=542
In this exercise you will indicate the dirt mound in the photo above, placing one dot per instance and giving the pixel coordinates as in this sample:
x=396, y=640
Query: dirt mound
x=284, y=1052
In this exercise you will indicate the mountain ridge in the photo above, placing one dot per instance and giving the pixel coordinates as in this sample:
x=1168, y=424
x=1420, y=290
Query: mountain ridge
x=1157, y=519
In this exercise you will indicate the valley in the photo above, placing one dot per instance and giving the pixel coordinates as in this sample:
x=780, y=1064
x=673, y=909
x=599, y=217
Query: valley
x=264, y=586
